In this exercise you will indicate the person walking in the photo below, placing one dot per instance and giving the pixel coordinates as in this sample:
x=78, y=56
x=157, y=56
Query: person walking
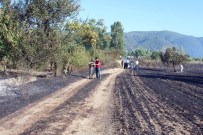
x=98, y=68
x=91, y=68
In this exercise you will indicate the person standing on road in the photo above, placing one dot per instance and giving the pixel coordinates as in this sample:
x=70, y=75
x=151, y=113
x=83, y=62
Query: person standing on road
x=131, y=64
x=126, y=62
x=136, y=65
x=91, y=68
x=98, y=68
x=181, y=68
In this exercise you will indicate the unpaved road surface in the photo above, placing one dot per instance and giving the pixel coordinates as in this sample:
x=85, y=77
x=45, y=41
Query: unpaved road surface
x=80, y=108
x=151, y=102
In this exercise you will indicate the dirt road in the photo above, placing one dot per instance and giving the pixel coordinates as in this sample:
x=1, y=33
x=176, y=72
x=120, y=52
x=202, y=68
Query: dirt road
x=80, y=108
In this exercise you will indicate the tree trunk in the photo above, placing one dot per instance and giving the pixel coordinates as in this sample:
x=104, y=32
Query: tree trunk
x=5, y=69
x=55, y=69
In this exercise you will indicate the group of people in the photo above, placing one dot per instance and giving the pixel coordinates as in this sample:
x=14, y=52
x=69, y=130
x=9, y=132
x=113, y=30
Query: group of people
x=126, y=63
x=95, y=66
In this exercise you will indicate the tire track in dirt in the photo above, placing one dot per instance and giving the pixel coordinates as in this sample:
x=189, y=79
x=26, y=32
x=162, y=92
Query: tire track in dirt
x=98, y=120
x=150, y=114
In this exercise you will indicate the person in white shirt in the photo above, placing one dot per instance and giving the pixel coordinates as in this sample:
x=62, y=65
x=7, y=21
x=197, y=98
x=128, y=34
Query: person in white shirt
x=136, y=64
x=126, y=62
x=181, y=68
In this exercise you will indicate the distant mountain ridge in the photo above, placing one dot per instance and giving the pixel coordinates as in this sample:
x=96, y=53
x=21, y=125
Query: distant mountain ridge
x=160, y=40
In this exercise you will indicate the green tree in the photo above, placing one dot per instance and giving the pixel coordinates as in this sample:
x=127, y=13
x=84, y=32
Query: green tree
x=9, y=33
x=141, y=52
x=47, y=18
x=33, y=34
x=82, y=34
x=90, y=33
x=155, y=55
x=103, y=40
x=171, y=56
x=35, y=49
x=117, y=36
x=182, y=52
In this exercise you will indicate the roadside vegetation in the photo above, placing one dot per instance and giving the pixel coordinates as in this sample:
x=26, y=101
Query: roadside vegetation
x=170, y=57
x=48, y=36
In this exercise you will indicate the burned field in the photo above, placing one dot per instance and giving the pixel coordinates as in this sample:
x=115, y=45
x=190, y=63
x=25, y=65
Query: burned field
x=154, y=101
x=158, y=101
x=16, y=97
x=57, y=111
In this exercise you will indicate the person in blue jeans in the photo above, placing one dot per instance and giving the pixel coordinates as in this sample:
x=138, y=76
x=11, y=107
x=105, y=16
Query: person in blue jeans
x=136, y=65
x=98, y=68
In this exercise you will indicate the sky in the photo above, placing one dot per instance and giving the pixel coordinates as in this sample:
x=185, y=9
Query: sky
x=182, y=16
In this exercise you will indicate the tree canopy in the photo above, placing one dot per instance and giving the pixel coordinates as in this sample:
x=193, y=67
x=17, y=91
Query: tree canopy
x=171, y=56
x=117, y=34
x=38, y=34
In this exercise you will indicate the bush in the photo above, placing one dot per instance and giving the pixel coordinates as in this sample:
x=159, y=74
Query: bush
x=73, y=57
x=155, y=55
x=151, y=63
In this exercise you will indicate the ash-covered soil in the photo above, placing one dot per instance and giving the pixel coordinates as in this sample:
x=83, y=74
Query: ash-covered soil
x=4, y=76
x=74, y=109
x=59, y=113
x=14, y=98
x=159, y=101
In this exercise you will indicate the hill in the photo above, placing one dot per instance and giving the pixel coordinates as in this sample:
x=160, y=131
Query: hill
x=160, y=40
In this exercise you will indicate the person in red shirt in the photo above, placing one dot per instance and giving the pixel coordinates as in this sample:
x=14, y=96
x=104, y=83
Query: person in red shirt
x=98, y=68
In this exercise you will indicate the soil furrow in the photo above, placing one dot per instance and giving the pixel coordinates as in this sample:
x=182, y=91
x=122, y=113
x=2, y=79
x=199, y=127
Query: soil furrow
x=168, y=114
x=174, y=95
x=183, y=105
x=148, y=109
